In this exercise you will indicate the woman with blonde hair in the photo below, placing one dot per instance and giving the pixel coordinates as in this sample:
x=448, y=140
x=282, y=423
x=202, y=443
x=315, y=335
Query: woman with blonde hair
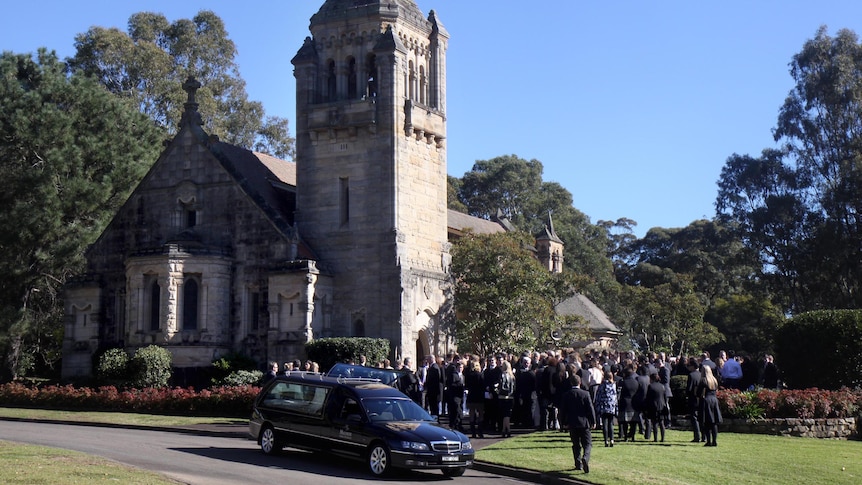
x=506, y=396
x=710, y=413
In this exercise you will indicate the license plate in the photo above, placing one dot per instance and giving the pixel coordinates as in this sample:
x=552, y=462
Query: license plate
x=450, y=458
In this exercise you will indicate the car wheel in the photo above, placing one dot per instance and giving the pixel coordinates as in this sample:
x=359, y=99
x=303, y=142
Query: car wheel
x=379, y=462
x=453, y=472
x=269, y=442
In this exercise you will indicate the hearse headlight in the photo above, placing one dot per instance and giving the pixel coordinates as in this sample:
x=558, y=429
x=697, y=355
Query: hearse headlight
x=466, y=446
x=414, y=445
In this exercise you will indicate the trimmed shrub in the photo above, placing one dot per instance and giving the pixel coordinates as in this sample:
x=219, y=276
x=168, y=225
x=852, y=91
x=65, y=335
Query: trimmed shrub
x=152, y=366
x=330, y=351
x=820, y=349
x=241, y=378
x=233, y=367
x=113, y=366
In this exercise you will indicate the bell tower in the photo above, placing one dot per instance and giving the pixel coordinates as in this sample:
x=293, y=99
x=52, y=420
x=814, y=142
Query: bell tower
x=371, y=168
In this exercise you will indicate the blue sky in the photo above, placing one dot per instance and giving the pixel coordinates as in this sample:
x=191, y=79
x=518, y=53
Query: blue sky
x=633, y=106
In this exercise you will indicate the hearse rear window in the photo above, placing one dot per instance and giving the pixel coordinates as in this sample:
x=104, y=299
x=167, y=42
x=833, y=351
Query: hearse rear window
x=297, y=397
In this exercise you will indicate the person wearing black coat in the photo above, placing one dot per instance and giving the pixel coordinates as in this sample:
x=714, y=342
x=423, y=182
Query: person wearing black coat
x=576, y=409
x=475, y=383
x=525, y=399
x=456, y=386
x=655, y=406
x=640, y=397
x=710, y=413
x=628, y=413
x=691, y=384
x=433, y=386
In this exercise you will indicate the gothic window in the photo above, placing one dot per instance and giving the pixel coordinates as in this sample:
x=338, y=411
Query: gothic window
x=371, y=73
x=423, y=86
x=255, y=310
x=191, y=218
x=191, y=295
x=411, y=94
x=155, y=296
x=331, y=84
x=358, y=328
x=351, y=78
x=344, y=191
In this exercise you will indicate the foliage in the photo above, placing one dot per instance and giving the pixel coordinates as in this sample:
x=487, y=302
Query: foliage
x=796, y=208
x=234, y=367
x=70, y=152
x=504, y=298
x=668, y=317
x=113, y=365
x=240, y=378
x=803, y=403
x=151, y=366
x=149, y=64
x=513, y=188
x=217, y=401
x=815, y=335
x=748, y=323
x=330, y=351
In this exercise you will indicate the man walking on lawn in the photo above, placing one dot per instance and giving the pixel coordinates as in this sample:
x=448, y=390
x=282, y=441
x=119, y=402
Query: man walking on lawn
x=577, y=410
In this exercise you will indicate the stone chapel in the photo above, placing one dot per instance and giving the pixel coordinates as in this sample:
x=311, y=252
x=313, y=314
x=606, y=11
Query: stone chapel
x=220, y=249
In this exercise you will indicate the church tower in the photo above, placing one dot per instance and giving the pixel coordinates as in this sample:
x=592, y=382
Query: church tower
x=371, y=169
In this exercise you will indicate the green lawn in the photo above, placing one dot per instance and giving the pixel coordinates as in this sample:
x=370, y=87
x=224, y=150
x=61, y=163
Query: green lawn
x=29, y=465
x=738, y=459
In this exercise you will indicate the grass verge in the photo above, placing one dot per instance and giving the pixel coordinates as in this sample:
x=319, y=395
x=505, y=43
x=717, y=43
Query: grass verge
x=741, y=458
x=126, y=419
x=28, y=465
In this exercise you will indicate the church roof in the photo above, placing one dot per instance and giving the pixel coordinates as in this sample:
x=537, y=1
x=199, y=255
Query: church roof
x=597, y=320
x=459, y=223
x=342, y=9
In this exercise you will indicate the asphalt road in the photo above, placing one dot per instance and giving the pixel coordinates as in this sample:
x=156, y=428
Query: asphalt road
x=211, y=460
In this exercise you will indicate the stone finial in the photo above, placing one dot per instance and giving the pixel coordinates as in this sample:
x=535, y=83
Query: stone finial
x=190, y=113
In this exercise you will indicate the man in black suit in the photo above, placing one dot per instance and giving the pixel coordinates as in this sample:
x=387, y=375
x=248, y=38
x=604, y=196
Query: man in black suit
x=693, y=399
x=577, y=410
x=434, y=381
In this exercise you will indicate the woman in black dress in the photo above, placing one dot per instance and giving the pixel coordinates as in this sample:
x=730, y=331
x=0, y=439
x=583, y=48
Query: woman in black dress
x=710, y=414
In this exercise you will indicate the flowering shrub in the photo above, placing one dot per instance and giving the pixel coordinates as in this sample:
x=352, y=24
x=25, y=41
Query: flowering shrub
x=228, y=401
x=800, y=403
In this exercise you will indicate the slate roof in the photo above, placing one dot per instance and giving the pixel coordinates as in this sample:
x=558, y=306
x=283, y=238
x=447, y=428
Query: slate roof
x=597, y=320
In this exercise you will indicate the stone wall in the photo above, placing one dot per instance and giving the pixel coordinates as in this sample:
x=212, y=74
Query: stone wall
x=830, y=428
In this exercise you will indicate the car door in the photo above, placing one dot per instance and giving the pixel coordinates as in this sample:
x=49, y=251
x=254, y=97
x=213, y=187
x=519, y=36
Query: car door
x=347, y=424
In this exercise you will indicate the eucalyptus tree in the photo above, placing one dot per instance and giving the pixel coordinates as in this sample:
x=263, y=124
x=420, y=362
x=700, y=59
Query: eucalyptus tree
x=149, y=63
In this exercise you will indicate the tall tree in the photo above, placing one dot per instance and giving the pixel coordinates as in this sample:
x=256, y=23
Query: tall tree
x=515, y=187
x=150, y=62
x=799, y=208
x=505, y=299
x=70, y=153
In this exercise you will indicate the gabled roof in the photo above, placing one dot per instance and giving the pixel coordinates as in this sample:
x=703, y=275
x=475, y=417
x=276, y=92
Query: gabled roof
x=597, y=320
x=460, y=223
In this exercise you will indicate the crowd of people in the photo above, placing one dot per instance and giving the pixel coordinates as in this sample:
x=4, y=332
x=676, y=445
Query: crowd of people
x=547, y=391
x=572, y=391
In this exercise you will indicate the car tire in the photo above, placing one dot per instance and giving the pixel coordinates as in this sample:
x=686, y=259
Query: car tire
x=379, y=460
x=270, y=444
x=453, y=472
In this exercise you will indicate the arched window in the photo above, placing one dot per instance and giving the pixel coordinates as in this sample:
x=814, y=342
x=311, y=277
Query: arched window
x=371, y=75
x=190, y=304
x=351, y=78
x=411, y=94
x=331, y=84
x=358, y=328
x=155, y=305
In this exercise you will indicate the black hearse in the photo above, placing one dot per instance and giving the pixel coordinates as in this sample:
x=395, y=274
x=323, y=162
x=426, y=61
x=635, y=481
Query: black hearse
x=362, y=419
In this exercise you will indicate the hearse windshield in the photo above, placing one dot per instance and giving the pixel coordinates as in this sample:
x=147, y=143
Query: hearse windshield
x=391, y=409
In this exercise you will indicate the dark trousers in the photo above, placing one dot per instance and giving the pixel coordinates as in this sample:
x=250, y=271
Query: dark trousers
x=694, y=419
x=582, y=441
x=455, y=413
